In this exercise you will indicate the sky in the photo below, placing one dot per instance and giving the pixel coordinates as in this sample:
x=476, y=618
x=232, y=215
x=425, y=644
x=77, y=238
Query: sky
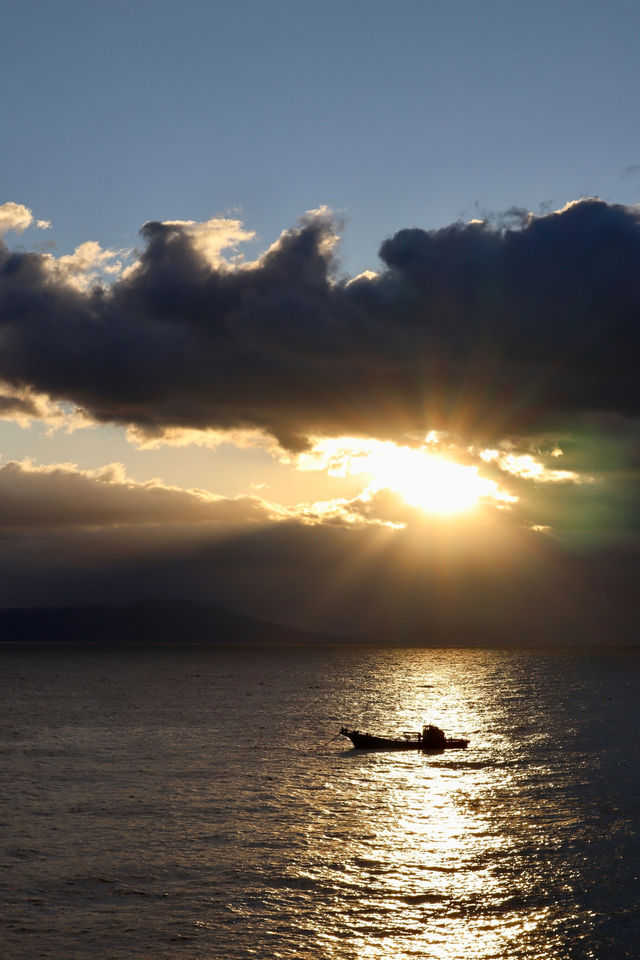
x=325, y=312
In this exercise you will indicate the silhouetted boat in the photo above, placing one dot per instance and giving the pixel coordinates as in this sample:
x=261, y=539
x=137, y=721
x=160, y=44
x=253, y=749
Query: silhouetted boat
x=429, y=738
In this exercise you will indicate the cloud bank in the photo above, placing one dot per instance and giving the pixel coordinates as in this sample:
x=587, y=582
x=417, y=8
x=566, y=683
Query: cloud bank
x=61, y=496
x=73, y=536
x=517, y=338
x=484, y=329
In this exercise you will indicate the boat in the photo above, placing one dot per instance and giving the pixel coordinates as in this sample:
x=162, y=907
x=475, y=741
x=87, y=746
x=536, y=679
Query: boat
x=430, y=738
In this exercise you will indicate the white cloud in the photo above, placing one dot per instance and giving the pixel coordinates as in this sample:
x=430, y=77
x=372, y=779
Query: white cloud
x=211, y=237
x=15, y=216
x=365, y=275
x=527, y=467
x=86, y=264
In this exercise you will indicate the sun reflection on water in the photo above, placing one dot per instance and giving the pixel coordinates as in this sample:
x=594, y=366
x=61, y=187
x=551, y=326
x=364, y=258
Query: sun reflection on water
x=439, y=859
x=219, y=812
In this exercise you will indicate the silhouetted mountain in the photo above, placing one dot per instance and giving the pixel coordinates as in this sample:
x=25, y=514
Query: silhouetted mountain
x=149, y=621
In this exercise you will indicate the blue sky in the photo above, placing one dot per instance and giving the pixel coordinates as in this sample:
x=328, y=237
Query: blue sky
x=416, y=115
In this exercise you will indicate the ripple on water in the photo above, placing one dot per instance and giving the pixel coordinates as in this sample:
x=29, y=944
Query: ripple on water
x=152, y=809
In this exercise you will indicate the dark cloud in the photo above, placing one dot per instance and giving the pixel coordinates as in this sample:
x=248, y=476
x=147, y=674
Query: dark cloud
x=18, y=407
x=476, y=327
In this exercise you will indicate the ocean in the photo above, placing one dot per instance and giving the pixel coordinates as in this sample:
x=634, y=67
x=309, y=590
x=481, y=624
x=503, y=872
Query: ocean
x=193, y=802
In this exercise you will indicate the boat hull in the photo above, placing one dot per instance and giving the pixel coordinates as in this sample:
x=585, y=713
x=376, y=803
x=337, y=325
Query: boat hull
x=366, y=741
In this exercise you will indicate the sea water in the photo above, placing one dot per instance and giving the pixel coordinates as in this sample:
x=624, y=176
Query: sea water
x=190, y=802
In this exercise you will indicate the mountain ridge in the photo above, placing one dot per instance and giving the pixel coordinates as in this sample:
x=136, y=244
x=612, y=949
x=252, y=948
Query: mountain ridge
x=151, y=621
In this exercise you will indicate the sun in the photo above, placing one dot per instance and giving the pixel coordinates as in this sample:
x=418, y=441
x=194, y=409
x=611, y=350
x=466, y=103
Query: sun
x=421, y=476
x=428, y=481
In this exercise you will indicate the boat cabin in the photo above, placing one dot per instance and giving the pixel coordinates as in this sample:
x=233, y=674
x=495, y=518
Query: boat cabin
x=432, y=736
x=429, y=736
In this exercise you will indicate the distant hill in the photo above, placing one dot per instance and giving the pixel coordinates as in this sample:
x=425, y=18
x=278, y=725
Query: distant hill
x=149, y=621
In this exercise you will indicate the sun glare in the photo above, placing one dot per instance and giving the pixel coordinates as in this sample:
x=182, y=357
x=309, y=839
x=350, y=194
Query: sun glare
x=432, y=483
x=423, y=478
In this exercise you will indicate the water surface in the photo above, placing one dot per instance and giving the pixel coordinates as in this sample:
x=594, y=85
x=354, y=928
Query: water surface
x=168, y=802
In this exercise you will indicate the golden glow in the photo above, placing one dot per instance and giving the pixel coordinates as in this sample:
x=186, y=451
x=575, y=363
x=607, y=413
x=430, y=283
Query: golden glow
x=429, y=482
x=528, y=468
x=422, y=477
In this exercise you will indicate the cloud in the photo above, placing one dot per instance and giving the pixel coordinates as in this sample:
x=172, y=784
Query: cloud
x=15, y=216
x=213, y=237
x=483, y=329
x=516, y=337
x=529, y=468
x=82, y=268
x=152, y=439
x=22, y=405
x=366, y=567
x=485, y=586
x=64, y=497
